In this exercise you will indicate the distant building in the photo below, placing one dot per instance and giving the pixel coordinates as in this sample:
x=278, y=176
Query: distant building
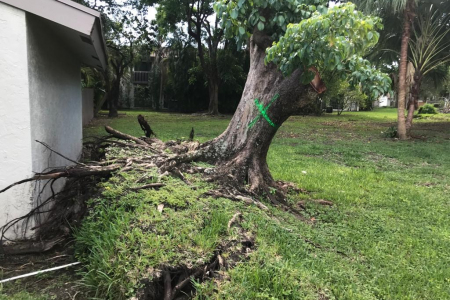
x=43, y=45
x=383, y=101
x=139, y=89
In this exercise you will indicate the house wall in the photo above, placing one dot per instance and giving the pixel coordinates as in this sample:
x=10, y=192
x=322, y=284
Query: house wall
x=15, y=118
x=55, y=102
x=382, y=101
x=88, y=105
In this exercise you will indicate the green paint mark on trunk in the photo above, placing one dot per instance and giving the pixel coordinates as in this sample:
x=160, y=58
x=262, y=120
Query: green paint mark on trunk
x=263, y=112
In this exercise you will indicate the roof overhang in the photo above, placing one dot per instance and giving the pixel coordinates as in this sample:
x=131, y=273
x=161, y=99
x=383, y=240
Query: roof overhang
x=78, y=26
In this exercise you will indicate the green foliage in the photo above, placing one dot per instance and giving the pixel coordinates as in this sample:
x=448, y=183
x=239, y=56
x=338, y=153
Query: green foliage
x=187, y=82
x=240, y=18
x=428, y=109
x=333, y=42
x=342, y=95
x=430, y=43
x=391, y=132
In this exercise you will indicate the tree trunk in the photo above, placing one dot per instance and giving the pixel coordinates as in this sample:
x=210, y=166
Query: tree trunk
x=99, y=105
x=113, y=99
x=213, y=96
x=414, y=101
x=408, y=17
x=105, y=97
x=241, y=150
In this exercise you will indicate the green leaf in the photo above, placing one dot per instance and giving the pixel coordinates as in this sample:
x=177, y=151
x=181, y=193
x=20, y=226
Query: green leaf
x=260, y=26
x=242, y=30
x=234, y=14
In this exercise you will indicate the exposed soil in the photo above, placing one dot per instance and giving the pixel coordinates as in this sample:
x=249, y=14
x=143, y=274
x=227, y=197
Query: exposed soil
x=61, y=284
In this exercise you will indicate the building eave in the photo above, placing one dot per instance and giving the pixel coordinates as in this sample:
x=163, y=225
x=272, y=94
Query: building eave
x=82, y=20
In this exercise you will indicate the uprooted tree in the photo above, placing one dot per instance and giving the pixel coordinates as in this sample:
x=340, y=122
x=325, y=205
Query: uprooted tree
x=291, y=42
x=306, y=40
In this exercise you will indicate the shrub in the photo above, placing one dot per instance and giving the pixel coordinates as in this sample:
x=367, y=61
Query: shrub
x=391, y=132
x=428, y=109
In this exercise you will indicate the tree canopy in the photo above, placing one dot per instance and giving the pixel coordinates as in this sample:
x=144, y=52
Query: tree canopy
x=308, y=34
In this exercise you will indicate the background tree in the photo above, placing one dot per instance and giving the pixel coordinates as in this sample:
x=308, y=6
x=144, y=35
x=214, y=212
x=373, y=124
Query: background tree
x=343, y=96
x=430, y=49
x=126, y=30
x=408, y=10
x=203, y=27
x=185, y=82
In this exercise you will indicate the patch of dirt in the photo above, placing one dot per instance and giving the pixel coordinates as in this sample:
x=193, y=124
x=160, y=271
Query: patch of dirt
x=340, y=124
x=61, y=284
x=288, y=135
x=377, y=158
x=432, y=129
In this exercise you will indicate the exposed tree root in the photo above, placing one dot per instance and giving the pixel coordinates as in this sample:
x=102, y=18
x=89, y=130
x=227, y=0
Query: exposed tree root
x=175, y=282
x=170, y=158
x=233, y=219
x=247, y=200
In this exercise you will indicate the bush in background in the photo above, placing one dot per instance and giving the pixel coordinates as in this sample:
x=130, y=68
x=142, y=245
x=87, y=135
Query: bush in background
x=428, y=109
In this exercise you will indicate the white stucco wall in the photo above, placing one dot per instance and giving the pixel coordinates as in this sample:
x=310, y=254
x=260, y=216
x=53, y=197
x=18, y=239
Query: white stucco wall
x=40, y=99
x=383, y=101
x=55, y=100
x=15, y=124
x=88, y=105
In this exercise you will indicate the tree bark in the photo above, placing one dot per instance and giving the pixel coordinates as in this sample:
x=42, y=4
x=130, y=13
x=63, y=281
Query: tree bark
x=213, y=96
x=113, y=98
x=408, y=18
x=414, y=101
x=241, y=150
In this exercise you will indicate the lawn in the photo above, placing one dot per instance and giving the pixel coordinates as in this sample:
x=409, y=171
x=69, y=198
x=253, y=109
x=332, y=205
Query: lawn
x=387, y=236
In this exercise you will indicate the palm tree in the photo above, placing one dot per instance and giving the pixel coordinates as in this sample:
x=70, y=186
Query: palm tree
x=430, y=50
x=408, y=9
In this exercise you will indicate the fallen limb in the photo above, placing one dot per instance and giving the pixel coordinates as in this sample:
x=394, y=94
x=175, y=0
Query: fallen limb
x=178, y=159
x=69, y=172
x=124, y=136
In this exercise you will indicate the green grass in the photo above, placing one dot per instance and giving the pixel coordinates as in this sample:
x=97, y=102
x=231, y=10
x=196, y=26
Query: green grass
x=390, y=219
x=126, y=239
x=386, y=237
